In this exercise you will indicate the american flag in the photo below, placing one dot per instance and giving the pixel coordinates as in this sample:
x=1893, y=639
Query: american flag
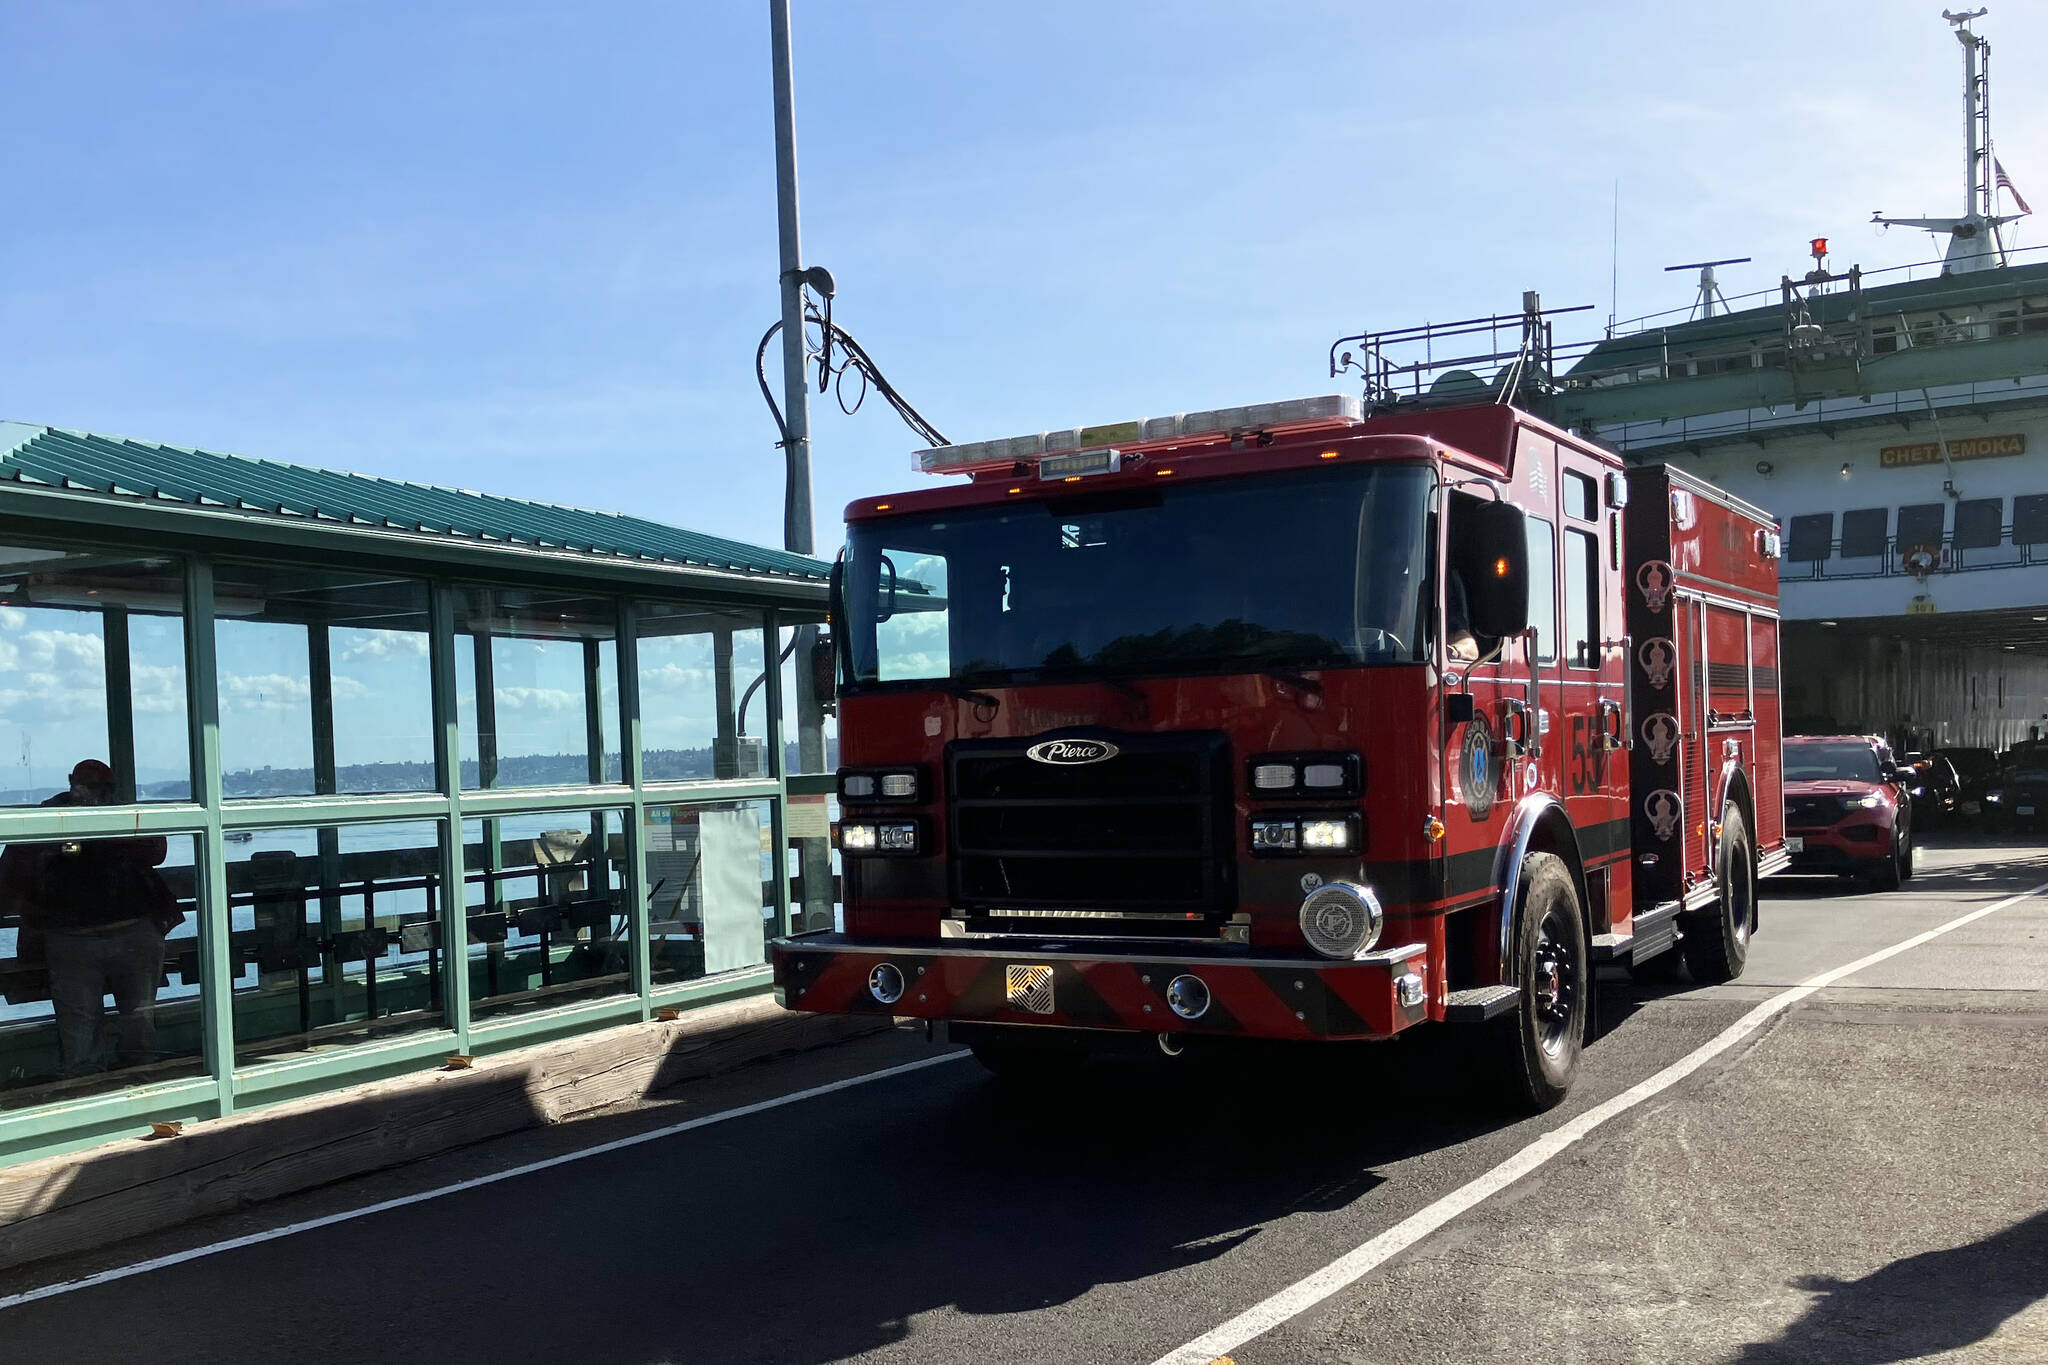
x=2005, y=183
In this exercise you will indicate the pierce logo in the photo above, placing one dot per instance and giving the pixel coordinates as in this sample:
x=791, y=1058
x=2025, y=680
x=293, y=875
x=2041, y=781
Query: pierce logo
x=1070, y=752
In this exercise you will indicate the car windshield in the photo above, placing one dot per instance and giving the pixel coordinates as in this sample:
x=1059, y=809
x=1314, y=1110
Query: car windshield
x=1821, y=762
x=1310, y=568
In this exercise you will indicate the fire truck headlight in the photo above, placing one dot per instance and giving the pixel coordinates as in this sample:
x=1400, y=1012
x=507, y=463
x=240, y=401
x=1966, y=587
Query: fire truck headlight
x=1324, y=776
x=1268, y=777
x=900, y=786
x=1342, y=920
x=857, y=838
x=857, y=786
x=897, y=838
x=1276, y=836
x=1326, y=836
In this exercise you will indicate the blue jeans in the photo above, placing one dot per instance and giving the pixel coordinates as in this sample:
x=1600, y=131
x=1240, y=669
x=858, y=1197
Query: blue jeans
x=84, y=970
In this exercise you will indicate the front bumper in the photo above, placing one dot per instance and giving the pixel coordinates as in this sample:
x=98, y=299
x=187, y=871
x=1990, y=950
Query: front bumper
x=998, y=982
x=1834, y=849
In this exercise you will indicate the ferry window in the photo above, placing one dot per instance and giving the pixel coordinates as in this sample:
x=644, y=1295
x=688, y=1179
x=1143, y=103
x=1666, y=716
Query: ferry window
x=1582, y=598
x=1581, y=496
x=1809, y=538
x=1978, y=523
x=1863, y=532
x=1920, y=524
x=1543, y=586
x=2030, y=519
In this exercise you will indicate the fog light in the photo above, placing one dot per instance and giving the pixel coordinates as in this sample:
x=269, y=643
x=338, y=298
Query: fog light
x=1326, y=836
x=885, y=983
x=857, y=838
x=897, y=838
x=1188, y=997
x=1342, y=920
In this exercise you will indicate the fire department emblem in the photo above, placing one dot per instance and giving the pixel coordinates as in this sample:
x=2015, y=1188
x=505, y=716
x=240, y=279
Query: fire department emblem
x=1536, y=481
x=1477, y=781
x=1663, y=809
x=1660, y=732
x=1069, y=752
x=1653, y=580
x=1658, y=658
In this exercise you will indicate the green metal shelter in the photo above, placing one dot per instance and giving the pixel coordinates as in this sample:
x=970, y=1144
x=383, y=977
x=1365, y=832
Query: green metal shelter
x=309, y=777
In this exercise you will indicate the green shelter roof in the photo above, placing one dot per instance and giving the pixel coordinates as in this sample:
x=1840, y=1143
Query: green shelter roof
x=144, y=471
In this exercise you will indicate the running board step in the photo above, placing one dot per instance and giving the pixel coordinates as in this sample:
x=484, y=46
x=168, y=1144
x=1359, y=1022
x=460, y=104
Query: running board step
x=1480, y=1003
x=1656, y=932
x=1611, y=947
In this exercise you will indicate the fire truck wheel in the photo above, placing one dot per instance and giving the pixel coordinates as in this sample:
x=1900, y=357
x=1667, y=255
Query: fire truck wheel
x=1028, y=1055
x=1716, y=944
x=1539, y=1043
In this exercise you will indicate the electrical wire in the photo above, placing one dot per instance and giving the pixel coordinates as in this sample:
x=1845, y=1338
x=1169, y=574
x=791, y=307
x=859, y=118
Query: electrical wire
x=833, y=376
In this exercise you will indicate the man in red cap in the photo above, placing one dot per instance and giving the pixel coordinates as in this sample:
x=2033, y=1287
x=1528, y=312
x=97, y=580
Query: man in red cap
x=102, y=910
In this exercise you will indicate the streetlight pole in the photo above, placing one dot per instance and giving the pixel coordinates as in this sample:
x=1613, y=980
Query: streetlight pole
x=815, y=858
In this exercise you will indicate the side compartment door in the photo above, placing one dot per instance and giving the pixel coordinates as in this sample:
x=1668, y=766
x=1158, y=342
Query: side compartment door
x=1593, y=675
x=1695, y=775
x=1770, y=767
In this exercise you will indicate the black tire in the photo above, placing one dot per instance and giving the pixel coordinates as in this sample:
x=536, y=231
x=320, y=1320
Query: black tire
x=1716, y=945
x=1028, y=1055
x=1908, y=846
x=1884, y=873
x=1538, y=1045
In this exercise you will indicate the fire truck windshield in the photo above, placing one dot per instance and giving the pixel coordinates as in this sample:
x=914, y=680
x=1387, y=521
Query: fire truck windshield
x=1313, y=568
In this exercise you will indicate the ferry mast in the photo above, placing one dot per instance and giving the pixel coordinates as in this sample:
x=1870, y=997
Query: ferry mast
x=1974, y=242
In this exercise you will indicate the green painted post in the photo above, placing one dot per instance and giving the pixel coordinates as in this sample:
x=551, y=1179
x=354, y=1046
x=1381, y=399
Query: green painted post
x=778, y=808
x=216, y=949
x=326, y=781
x=120, y=701
x=448, y=764
x=632, y=767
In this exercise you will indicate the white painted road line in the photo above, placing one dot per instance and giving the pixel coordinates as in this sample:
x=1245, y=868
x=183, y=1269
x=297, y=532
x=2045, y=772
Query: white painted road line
x=51, y=1291
x=1356, y=1264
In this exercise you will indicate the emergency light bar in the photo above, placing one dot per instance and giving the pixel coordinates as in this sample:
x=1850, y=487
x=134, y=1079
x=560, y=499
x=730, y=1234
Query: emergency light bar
x=1325, y=413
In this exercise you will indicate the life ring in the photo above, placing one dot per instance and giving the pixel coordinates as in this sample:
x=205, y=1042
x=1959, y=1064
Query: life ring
x=1922, y=560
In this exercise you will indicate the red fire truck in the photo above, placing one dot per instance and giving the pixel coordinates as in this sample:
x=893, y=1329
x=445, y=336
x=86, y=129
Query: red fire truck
x=1293, y=722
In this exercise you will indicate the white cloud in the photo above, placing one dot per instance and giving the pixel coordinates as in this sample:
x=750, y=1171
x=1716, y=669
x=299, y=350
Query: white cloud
x=266, y=691
x=384, y=644
x=544, y=699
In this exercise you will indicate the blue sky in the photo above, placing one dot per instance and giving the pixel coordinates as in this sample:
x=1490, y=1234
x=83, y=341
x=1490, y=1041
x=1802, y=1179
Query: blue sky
x=530, y=248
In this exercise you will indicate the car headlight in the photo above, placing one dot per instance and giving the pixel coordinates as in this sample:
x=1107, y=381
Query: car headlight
x=1995, y=794
x=1869, y=801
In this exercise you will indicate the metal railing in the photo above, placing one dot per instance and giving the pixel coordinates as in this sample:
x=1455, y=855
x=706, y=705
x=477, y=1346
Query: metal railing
x=1892, y=560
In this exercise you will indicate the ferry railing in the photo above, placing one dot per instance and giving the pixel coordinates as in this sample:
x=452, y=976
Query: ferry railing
x=1893, y=560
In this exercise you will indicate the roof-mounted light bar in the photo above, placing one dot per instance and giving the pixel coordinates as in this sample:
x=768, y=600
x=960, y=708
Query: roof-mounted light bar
x=1324, y=413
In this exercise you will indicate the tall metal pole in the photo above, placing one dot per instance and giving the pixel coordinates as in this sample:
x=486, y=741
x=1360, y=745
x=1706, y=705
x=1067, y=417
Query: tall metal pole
x=816, y=857
x=796, y=523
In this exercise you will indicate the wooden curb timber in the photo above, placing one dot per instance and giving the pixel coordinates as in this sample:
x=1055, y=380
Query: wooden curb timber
x=87, y=1199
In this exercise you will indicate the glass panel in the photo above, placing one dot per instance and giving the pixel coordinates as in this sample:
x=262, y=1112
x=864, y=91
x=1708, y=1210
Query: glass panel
x=92, y=671
x=324, y=683
x=710, y=872
x=546, y=909
x=336, y=934
x=537, y=688
x=1543, y=586
x=1145, y=562
x=703, y=693
x=99, y=967
x=1582, y=598
x=1863, y=532
x=1580, y=495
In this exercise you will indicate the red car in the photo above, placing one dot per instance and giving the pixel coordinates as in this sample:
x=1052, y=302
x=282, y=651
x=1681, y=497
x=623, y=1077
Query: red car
x=1846, y=809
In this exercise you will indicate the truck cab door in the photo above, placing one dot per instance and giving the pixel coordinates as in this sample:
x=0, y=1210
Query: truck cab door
x=1593, y=680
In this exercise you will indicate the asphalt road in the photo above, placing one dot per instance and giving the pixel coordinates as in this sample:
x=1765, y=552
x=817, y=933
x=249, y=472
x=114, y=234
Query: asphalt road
x=1862, y=1179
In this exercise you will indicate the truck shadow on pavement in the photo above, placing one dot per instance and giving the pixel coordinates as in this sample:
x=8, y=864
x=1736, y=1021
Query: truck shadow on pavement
x=1916, y=1307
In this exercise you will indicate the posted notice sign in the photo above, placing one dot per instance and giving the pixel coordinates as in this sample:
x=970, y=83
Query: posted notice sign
x=1962, y=448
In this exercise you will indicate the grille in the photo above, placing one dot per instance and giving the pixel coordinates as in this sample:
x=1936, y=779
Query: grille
x=1135, y=845
x=1809, y=812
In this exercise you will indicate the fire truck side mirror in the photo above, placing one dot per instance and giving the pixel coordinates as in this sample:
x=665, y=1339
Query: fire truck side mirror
x=824, y=670
x=1493, y=562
